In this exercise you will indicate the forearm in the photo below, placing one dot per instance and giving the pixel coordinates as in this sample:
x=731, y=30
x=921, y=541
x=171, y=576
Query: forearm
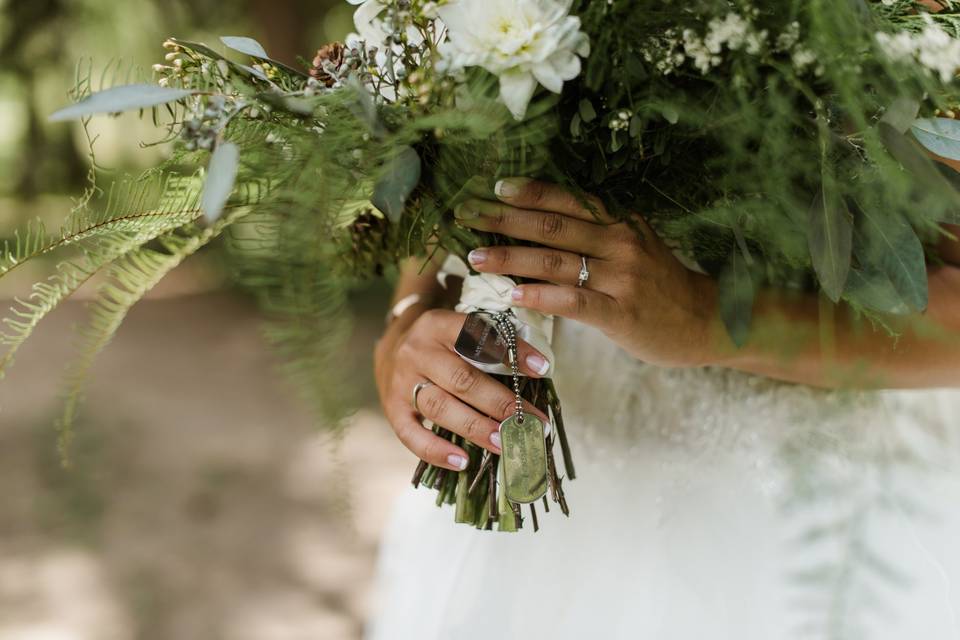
x=798, y=339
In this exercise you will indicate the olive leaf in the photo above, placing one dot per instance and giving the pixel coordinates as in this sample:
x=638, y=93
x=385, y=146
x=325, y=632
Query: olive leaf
x=246, y=46
x=830, y=236
x=892, y=246
x=119, y=99
x=737, y=292
x=399, y=177
x=221, y=176
x=901, y=113
x=938, y=135
x=873, y=290
x=202, y=49
x=252, y=48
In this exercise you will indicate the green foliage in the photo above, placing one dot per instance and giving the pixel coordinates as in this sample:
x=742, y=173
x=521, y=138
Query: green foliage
x=779, y=161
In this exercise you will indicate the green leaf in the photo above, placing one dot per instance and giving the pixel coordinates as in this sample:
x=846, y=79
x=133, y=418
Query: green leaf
x=890, y=245
x=737, y=292
x=204, y=50
x=399, y=177
x=246, y=46
x=938, y=135
x=587, y=112
x=669, y=113
x=924, y=170
x=252, y=48
x=221, y=176
x=830, y=236
x=873, y=290
x=119, y=99
x=953, y=179
x=901, y=113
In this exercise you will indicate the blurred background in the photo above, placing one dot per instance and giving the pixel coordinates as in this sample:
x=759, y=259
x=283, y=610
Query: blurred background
x=202, y=502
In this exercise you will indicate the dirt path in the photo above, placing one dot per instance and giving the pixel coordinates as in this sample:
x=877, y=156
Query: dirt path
x=202, y=503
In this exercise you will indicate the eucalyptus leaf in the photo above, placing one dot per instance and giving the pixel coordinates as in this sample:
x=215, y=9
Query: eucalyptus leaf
x=901, y=113
x=938, y=135
x=399, y=177
x=830, y=236
x=119, y=99
x=737, y=292
x=204, y=50
x=252, y=48
x=221, y=177
x=246, y=46
x=891, y=245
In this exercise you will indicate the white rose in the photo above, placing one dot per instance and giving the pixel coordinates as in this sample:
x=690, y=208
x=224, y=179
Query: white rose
x=522, y=42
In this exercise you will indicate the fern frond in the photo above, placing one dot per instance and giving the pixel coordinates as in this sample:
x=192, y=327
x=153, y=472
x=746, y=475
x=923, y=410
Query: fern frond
x=100, y=238
x=129, y=278
x=26, y=245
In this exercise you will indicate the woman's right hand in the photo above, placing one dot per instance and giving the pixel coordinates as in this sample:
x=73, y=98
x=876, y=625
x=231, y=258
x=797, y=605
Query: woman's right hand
x=461, y=398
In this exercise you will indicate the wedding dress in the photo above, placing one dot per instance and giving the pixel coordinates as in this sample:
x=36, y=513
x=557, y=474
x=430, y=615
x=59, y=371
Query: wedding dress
x=708, y=505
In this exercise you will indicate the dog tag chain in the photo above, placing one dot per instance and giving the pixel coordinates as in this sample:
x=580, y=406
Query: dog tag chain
x=523, y=441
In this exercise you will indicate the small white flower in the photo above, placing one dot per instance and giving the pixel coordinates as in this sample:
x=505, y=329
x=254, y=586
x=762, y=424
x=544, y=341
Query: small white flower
x=933, y=48
x=523, y=42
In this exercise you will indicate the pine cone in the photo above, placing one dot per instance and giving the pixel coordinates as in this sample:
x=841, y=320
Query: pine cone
x=329, y=58
x=370, y=235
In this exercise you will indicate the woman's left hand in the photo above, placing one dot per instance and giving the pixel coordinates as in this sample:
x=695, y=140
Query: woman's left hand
x=637, y=292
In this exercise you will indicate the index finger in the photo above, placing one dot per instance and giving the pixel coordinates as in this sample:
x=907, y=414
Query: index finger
x=525, y=193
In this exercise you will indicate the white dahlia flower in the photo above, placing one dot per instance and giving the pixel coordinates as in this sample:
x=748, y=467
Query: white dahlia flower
x=522, y=42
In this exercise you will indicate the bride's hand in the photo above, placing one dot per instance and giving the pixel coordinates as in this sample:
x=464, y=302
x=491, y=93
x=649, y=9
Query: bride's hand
x=637, y=293
x=461, y=398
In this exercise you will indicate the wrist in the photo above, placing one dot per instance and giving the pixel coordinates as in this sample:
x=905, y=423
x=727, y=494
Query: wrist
x=711, y=338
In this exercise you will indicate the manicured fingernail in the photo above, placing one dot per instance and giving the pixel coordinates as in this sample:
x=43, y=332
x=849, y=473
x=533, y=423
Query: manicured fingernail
x=538, y=363
x=457, y=461
x=477, y=256
x=495, y=439
x=517, y=294
x=508, y=187
x=465, y=211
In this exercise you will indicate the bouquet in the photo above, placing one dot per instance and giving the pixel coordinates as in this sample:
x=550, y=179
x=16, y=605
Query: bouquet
x=771, y=143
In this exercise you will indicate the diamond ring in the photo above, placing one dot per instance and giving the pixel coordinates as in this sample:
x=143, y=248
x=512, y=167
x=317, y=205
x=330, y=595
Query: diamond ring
x=584, y=272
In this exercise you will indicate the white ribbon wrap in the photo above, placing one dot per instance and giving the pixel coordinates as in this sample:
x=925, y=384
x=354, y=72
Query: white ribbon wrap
x=490, y=292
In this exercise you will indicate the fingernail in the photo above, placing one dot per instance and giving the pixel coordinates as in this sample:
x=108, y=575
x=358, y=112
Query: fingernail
x=517, y=294
x=508, y=187
x=457, y=461
x=538, y=363
x=547, y=429
x=495, y=439
x=465, y=211
x=477, y=256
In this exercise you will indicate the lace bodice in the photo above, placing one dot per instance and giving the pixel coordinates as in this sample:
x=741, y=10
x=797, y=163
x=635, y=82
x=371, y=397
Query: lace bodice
x=615, y=405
